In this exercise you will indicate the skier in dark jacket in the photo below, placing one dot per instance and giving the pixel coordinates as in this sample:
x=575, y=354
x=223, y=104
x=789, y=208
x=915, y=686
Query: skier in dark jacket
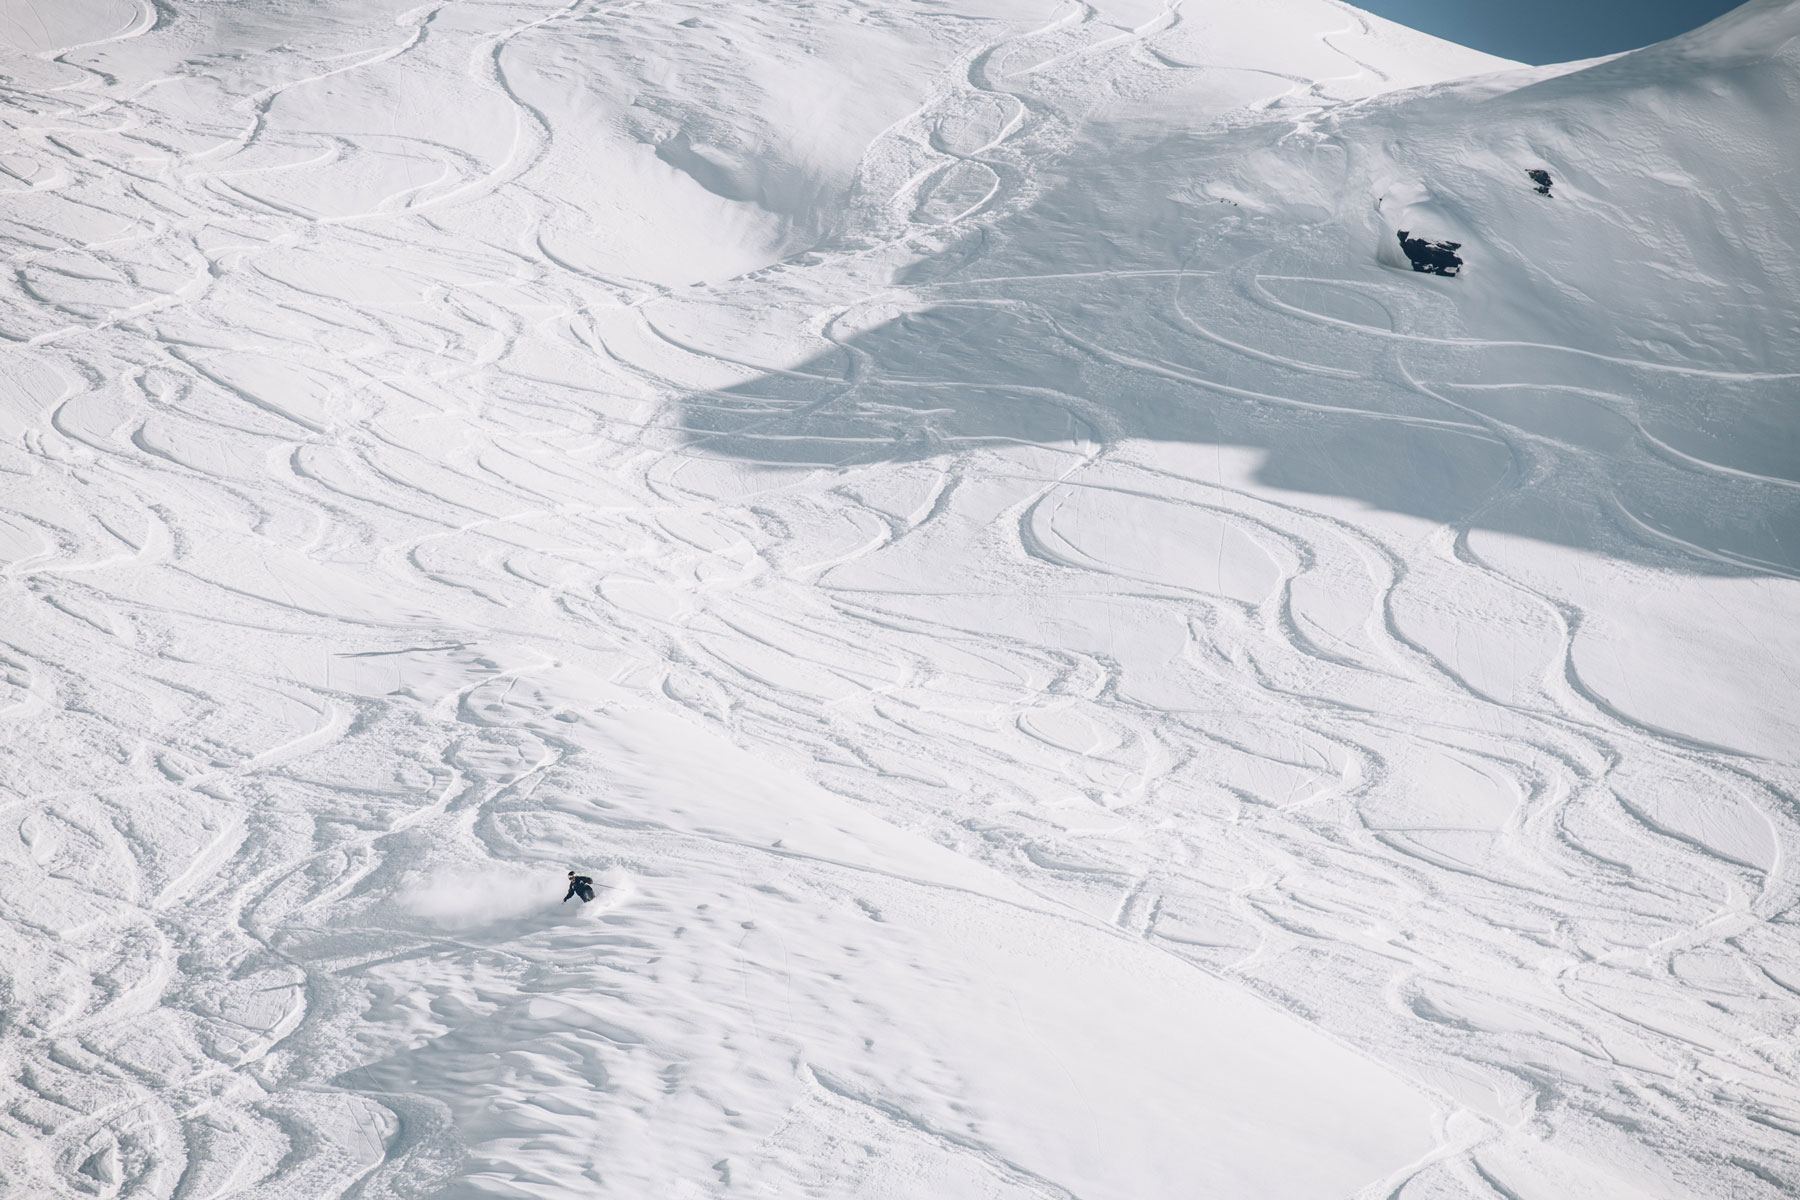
x=579, y=885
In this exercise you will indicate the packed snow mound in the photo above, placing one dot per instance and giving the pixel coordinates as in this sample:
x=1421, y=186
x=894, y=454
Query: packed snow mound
x=1075, y=670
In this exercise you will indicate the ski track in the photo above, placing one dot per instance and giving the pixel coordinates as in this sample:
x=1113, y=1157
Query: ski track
x=325, y=570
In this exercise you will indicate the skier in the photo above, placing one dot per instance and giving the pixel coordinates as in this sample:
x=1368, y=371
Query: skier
x=579, y=885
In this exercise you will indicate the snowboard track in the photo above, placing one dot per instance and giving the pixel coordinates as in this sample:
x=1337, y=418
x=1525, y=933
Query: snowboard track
x=324, y=588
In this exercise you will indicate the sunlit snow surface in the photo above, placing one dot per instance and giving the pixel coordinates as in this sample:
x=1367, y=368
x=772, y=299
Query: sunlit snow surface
x=1076, y=673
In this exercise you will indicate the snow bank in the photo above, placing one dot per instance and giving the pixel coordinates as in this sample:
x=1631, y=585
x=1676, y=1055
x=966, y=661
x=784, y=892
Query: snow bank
x=1080, y=672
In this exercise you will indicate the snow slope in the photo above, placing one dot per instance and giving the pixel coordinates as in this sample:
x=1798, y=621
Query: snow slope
x=1076, y=672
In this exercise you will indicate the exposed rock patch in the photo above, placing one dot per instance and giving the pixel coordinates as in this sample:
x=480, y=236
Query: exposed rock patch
x=1433, y=258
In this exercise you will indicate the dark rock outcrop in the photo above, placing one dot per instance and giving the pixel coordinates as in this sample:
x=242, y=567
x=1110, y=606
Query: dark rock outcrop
x=1542, y=178
x=1433, y=258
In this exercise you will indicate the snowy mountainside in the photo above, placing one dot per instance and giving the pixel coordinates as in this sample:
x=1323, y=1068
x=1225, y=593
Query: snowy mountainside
x=1075, y=672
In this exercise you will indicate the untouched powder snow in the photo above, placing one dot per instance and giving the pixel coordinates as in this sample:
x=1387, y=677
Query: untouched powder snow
x=1075, y=671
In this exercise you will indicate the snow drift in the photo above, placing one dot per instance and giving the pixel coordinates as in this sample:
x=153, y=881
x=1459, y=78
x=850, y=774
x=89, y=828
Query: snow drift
x=1080, y=672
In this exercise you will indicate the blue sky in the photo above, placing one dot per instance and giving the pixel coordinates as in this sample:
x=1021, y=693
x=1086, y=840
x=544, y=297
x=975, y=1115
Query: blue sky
x=1546, y=31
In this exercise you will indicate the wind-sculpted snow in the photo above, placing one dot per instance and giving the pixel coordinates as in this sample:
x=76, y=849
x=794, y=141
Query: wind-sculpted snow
x=1075, y=672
